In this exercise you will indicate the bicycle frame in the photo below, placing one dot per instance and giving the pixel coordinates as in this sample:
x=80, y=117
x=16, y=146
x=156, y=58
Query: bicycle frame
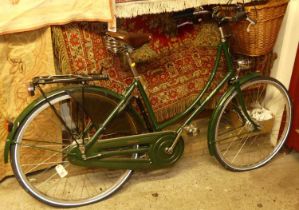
x=192, y=110
x=93, y=145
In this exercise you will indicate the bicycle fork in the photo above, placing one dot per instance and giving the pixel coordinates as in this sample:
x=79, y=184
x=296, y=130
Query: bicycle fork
x=244, y=112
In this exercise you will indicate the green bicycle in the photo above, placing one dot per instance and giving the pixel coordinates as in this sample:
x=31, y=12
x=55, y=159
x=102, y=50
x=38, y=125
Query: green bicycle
x=79, y=144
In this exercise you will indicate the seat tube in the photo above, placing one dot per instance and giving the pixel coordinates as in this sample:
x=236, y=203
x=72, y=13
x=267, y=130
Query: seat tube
x=135, y=73
x=132, y=65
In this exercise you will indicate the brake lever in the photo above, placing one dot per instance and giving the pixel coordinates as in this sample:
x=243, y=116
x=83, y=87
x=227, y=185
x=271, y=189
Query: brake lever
x=184, y=23
x=251, y=22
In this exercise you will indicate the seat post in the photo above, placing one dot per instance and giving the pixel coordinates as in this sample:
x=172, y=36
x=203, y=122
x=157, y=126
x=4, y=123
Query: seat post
x=132, y=65
x=135, y=73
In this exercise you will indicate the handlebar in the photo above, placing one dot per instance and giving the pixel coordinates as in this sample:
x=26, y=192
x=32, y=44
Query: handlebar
x=216, y=14
x=239, y=16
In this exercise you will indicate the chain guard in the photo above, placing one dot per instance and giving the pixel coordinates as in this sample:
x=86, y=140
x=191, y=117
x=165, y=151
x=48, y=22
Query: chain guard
x=159, y=158
x=152, y=145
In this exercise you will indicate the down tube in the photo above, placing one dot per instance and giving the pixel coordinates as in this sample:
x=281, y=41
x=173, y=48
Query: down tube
x=223, y=47
x=230, y=74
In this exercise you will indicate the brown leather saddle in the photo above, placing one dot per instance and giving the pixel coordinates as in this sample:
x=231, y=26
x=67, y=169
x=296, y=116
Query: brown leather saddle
x=135, y=40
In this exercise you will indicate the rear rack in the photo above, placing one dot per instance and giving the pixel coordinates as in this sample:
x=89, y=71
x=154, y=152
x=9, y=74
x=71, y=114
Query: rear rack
x=67, y=78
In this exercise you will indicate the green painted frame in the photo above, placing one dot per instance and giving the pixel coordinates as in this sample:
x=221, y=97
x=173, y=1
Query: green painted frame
x=197, y=106
x=193, y=109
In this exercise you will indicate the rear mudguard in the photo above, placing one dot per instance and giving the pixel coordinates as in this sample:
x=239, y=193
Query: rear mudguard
x=219, y=106
x=19, y=120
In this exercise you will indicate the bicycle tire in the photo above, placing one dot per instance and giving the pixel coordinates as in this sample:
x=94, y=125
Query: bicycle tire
x=35, y=163
x=237, y=145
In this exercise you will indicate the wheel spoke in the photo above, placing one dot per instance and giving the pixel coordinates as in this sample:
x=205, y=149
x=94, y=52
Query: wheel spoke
x=240, y=147
x=45, y=138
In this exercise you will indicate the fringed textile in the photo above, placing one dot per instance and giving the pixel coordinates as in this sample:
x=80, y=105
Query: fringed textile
x=132, y=8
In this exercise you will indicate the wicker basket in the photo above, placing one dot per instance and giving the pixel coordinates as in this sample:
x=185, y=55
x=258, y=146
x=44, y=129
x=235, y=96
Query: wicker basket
x=261, y=38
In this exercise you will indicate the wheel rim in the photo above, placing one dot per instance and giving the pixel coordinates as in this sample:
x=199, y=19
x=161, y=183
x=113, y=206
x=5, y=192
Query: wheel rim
x=238, y=145
x=41, y=178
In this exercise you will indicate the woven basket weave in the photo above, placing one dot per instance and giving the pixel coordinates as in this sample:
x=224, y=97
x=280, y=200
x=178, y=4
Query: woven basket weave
x=261, y=38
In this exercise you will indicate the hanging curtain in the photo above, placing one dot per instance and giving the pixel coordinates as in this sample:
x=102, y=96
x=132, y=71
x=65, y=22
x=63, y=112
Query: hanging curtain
x=293, y=140
x=23, y=56
x=132, y=8
x=25, y=15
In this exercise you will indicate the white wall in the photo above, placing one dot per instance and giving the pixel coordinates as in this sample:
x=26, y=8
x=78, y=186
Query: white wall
x=286, y=44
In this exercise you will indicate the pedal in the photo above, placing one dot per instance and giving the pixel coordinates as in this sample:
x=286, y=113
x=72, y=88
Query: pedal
x=191, y=130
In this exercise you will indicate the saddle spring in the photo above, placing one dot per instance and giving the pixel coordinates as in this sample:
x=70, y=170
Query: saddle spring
x=115, y=46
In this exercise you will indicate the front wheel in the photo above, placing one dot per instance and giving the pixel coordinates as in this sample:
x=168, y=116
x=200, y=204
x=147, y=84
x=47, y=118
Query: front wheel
x=39, y=155
x=245, y=141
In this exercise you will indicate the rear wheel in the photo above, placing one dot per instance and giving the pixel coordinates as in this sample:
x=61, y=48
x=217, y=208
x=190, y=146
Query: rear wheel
x=240, y=145
x=39, y=157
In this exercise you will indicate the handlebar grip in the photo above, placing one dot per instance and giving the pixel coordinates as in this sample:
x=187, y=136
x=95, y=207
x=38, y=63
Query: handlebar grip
x=239, y=16
x=188, y=13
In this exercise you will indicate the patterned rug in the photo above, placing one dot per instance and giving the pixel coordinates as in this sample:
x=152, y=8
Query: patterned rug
x=175, y=64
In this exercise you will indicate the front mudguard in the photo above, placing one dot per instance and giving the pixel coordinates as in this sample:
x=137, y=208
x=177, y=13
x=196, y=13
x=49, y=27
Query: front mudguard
x=219, y=106
x=20, y=119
